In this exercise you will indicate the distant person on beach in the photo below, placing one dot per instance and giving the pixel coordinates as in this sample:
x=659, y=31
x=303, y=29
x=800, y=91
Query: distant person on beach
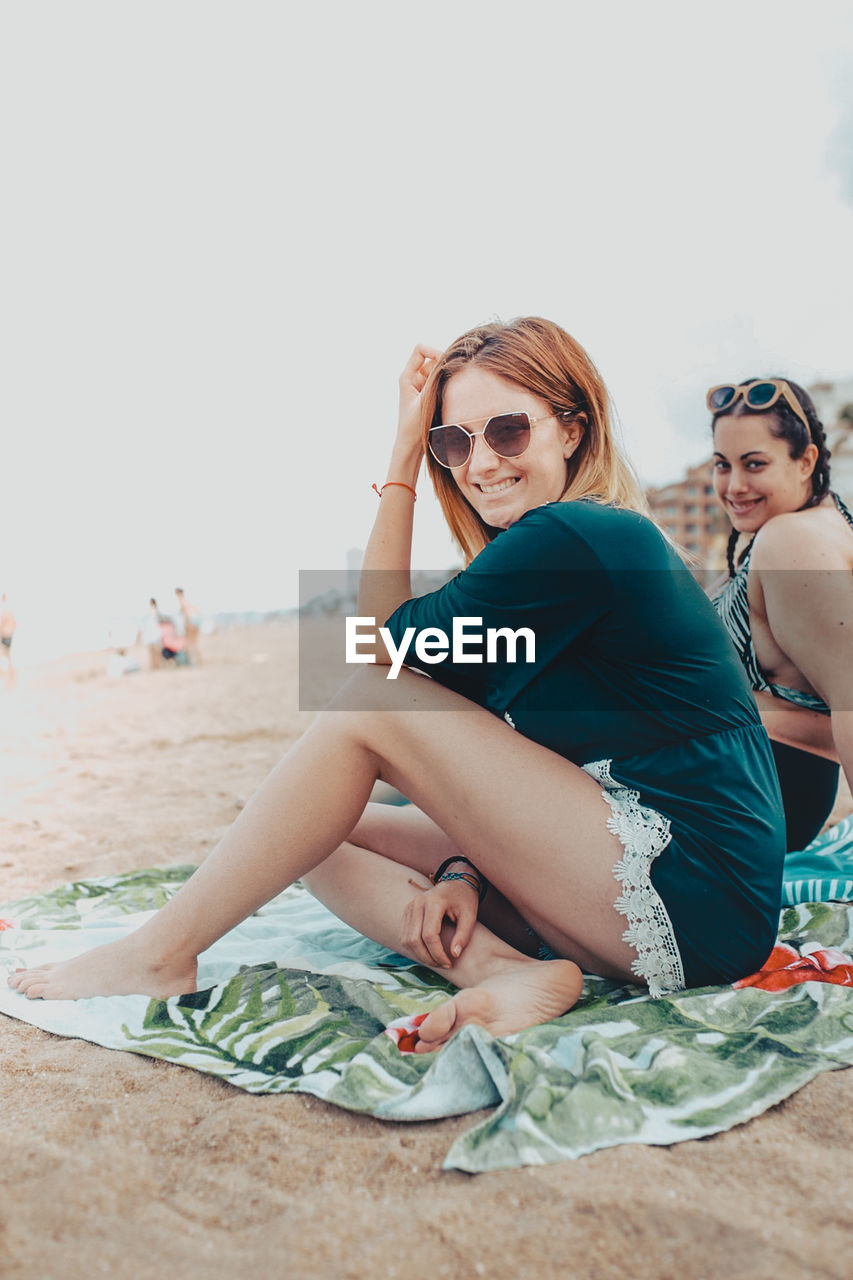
x=788, y=599
x=172, y=645
x=120, y=663
x=191, y=623
x=8, y=626
x=604, y=799
x=160, y=634
x=122, y=636
x=150, y=635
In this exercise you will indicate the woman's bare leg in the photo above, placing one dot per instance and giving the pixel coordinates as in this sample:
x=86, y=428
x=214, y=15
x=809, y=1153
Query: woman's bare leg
x=532, y=822
x=503, y=985
x=501, y=988
x=406, y=835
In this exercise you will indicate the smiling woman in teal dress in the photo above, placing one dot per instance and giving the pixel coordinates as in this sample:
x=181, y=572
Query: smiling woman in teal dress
x=611, y=806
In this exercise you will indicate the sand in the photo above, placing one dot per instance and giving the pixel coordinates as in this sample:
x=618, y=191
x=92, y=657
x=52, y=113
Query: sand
x=122, y=1165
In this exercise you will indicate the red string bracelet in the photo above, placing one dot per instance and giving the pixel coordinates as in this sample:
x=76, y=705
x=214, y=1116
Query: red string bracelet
x=401, y=484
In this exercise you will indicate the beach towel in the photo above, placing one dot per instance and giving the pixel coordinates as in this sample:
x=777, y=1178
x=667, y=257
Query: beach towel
x=295, y=1000
x=823, y=871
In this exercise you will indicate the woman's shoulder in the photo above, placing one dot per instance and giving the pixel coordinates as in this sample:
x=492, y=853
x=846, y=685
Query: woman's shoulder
x=610, y=527
x=586, y=515
x=816, y=538
x=589, y=533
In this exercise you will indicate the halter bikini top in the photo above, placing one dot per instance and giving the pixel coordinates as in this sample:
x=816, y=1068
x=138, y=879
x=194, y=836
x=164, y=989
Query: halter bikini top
x=732, y=605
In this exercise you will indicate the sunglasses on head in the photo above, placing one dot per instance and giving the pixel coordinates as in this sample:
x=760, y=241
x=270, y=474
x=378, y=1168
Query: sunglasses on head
x=756, y=395
x=507, y=435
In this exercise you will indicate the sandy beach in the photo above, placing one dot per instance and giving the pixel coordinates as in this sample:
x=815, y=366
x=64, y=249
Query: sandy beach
x=127, y=1166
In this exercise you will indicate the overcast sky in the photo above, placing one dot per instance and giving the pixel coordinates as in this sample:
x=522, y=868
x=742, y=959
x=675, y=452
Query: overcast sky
x=224, y=227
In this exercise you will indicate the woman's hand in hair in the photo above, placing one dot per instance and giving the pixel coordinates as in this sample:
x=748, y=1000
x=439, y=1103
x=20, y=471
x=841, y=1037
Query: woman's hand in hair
x=412, y=382
x=450, y=905
x=389, y=547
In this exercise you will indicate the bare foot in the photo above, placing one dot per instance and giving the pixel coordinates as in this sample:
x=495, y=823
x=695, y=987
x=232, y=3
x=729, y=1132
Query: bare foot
x=524, y=994
x=116, y=969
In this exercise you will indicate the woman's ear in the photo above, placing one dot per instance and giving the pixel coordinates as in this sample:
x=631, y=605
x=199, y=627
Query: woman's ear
x=809, y=458
x=573, y=427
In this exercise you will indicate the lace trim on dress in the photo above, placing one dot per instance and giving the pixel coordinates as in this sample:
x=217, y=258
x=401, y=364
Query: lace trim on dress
x=644, y=834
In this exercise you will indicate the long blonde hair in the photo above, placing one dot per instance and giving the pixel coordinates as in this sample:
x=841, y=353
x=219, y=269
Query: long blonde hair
x=541, y=357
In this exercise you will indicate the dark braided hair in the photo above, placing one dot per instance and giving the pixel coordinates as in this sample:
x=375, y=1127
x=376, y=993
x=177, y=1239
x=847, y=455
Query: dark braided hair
x=730, y=552
x=785, y=425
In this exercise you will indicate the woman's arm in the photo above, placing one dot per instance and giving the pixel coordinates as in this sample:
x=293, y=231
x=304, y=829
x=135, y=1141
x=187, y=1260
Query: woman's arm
x=796, y=726
x=808, y=601
x=842, y=731
x=386, y=570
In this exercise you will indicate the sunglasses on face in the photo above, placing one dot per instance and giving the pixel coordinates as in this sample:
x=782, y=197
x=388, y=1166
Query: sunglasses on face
x=756, y=395
x=507, y=435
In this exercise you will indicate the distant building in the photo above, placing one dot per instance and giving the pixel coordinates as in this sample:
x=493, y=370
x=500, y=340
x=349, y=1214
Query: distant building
x=834, y=404
x=690, y=514
x=841, y=463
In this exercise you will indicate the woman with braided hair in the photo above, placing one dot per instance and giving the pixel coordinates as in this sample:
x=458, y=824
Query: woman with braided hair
x=788, y=600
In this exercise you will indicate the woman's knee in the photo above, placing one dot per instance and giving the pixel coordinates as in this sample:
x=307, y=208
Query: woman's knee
x=372, y=689
x=365, y=690
x=359, y=712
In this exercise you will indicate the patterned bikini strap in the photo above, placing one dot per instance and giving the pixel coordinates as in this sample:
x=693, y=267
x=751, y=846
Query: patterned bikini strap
x=842, y=507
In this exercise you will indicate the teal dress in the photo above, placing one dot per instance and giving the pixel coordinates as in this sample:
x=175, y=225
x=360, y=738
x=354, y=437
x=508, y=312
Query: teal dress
x=634, y=679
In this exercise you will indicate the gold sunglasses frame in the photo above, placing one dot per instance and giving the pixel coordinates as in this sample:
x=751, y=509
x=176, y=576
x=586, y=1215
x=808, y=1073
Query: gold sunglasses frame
x=472, y=435
x=783, y=392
